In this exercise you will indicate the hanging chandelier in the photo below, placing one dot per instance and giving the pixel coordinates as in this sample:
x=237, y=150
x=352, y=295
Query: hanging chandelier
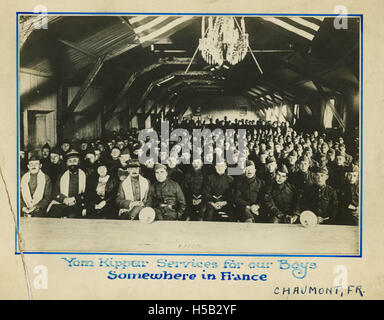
x=223, y=40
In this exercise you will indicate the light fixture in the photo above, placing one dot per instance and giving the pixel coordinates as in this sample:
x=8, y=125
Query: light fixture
x=223, y=40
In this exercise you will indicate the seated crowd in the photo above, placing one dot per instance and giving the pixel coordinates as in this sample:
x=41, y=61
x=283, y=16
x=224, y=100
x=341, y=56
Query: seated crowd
x=284, y=173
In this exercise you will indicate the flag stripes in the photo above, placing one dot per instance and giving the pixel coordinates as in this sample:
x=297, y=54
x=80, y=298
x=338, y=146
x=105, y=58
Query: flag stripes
x=150, y=28
x=306, y=27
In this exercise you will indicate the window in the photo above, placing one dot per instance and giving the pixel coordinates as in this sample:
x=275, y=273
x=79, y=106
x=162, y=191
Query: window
x=328, y=114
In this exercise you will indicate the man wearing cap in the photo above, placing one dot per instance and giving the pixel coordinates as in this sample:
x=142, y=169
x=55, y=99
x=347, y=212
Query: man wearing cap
x=36, y=189
x=193, y=190
x=88, y=164
x=281, y=198
x=248, y=195
x=320, y=198
x=132, y=193
x=65, y=146
x=69, y=190
x=56, y=166
x=302, y=177
x=45, y=152
x=165, y=196
x=218, y=195
x=349, y=197
x=269, y=174
x=121, y=171
x=291, y=162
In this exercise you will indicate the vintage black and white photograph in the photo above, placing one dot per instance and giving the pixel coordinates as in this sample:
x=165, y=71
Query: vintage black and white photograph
x=190, y=134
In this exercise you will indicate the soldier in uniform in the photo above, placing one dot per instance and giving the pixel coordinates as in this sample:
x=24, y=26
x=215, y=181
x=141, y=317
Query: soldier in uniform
x=269, y=175
x=281, y=198
x=218, y=192
x=320, y=198
x=165, y=196
x=248, y=195
x=36, y=189
x=349, y=197
x=303, y=176
x=193, y=190
x=69, y=190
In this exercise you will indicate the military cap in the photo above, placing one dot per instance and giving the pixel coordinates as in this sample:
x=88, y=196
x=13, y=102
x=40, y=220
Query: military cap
x=133, y=163
x=159, y=166
x=249, y=163
x=56, y=150
x=271, y=159
x=46, y=146
x=73, y=153
x=317, y=169
x=34, y=156
x=282, y=168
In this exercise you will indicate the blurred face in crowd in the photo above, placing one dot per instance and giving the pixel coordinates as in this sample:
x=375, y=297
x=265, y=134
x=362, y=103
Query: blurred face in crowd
x=263, y=157
x=150, y=163
x=124, y=158
x=352, y=177
x=281, y=177
x=323, y=161
x=102, y=171
x=220, y=168
x=308, y=153
x=271, y=166
x=250, y=171
x=55, y=158
x=320, y=178
x=34, y=166
x=292, y=159
x=134, y=171
x=324, y=148
x=115, y=153
x=340, y=160
x=22, y=154
x=73, y=164
x=120, y=145
x=303, y=166
x=90, y=157
x=45, y=153
x=172, y=162
x=65, y=146
x=84, y=146
x=330, y=156
x=97, y=154
x=100, y=146
x=161, y=174
x=197, y=164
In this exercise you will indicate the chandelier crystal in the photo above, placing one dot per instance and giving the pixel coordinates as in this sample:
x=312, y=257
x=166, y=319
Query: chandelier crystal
x=223, y=40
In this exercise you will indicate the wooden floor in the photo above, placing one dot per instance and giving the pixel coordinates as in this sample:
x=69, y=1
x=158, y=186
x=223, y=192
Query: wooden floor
x=103, y=236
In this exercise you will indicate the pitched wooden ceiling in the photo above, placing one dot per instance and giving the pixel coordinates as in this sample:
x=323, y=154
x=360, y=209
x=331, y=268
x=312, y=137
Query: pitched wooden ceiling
x=127, y=59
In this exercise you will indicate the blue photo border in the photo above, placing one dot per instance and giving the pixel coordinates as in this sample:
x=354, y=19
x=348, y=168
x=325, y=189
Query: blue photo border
x=194, y=14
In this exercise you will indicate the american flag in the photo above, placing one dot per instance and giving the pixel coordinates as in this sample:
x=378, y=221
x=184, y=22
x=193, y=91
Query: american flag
x=306, y=27
x=148, y=29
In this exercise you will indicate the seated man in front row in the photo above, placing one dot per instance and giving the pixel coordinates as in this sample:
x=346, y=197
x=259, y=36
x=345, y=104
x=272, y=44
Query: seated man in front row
x=165, y=196
x=248, y=196
x=281, y=198
x=133, y=192
x=69, y=190
x=36, y=189
x=218, y=195
x=320, y=198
